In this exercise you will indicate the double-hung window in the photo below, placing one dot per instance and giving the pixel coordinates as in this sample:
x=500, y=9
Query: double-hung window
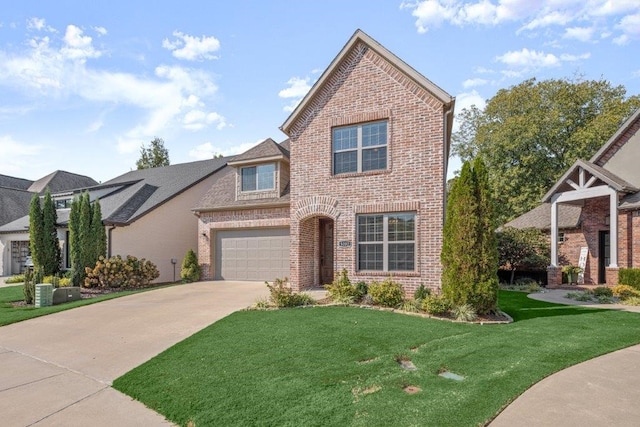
x=387, y=242
x=258, y=178
x=359, y=148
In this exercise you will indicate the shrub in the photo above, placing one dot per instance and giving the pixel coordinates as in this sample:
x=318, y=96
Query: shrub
x=436, y=305
x=604, y=299
x=579, y=296
x=19, y=278
x=281, y=295
x=387, y=293
x=29, y=287
x=629, y=276
x=341, y=290
x=624, y=291
x=190, y=271
x=635, y=301
x=421, y=293
x=602, y=291
x=117, y=272
x=464, y=313
x=410, y=305
x=261, y=303
x=361, y=290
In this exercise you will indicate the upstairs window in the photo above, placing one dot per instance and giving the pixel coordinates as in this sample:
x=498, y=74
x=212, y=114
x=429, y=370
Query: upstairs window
x=62, y=203
x=387, y=242
x=359, y=148
x=259, y=178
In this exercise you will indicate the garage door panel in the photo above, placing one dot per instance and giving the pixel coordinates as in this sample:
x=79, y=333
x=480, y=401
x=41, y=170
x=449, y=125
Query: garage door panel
x=252, y=254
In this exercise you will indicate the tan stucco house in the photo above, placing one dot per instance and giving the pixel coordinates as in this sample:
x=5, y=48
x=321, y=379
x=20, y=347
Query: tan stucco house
x=359, y=185
x=595, y=205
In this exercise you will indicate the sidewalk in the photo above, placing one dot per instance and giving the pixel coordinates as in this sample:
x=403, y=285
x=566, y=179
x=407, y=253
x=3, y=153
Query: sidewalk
x=599, y=392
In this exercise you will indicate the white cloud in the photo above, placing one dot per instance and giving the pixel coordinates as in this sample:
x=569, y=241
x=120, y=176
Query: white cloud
x=39, y=24
x=474, y=82
x=572, y=58
x=208, y=150
x=298, y=88
x=526, y=58
x=14, y=155
x=582, y=34
x=530, y=14
x=466, y=100
x=192, y=48
x=78, y=46
x=197, y=120
x=100, y=30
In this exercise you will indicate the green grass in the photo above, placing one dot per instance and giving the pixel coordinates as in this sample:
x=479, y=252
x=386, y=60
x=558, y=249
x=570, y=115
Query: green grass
x=10, y=314
x=306, y=366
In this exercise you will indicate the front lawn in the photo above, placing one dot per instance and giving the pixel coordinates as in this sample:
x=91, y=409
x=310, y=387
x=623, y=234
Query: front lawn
x=11, y=314
x=338, y=365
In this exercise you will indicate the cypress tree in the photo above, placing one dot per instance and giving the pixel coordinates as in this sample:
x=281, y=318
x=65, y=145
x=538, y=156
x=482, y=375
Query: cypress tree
x=51, y=245
x=75, y=247
x=84, y=234
x=36, y=232
x=469, y=250
x=98, y=234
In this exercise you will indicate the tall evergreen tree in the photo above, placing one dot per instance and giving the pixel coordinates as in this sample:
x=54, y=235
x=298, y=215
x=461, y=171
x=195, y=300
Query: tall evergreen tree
x=75, y=247
x=85, y=241
x=154, y=156
x=51, y=245
x=98, y=234
x=36, y=232
x=469, y=254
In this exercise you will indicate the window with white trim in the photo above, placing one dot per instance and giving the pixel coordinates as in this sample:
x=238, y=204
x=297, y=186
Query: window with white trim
x=258, y=178
x=386, y=242
x=359, y=148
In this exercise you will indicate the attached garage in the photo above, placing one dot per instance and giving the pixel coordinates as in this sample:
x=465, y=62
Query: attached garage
x=252, y=254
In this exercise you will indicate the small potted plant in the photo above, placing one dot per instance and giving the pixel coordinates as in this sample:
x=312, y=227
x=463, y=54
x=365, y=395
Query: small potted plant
x=572, y=272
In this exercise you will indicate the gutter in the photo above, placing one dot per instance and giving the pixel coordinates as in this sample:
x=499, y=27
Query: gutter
x=445, y=150
x=109, y=230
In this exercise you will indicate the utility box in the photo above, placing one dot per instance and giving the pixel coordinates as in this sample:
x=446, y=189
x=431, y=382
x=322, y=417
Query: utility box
x=44, y=295
x=66, y=294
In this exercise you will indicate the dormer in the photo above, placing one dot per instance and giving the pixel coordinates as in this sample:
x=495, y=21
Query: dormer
x=261, y=172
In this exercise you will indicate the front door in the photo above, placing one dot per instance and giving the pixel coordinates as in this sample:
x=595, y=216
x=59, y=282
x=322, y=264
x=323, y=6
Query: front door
x=326, y=251
x=603, y=255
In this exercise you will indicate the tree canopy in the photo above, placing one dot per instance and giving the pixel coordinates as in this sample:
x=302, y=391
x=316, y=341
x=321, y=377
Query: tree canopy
x=153, y=156
x=530, y=134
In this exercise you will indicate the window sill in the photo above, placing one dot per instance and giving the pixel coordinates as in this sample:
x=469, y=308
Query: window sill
x=355, y=174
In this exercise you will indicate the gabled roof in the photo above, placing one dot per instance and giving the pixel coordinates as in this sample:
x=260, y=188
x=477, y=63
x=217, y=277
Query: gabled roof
x=599, y=172
x=14, y=203
x=222, y=195
x=361, y=37
x=13, y=182
x=266, y=150
x=540, y=217
x=621, y=130
x=60, y=181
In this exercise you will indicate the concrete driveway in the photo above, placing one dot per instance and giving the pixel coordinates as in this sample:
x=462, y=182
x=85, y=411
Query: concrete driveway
x=57, y=370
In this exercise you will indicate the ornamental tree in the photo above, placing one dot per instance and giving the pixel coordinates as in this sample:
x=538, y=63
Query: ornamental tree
x=519, y=249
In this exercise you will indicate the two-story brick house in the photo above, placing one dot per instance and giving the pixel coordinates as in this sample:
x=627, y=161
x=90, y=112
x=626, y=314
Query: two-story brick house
x=359, y=185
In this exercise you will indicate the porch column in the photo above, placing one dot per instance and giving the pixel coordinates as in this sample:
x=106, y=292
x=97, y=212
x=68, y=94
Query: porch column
x=613, y=229
x=554, y=233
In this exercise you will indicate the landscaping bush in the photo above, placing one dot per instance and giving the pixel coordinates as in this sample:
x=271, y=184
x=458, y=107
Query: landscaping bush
x=190, y=271
x=410, y=305
x=341, y=290
x=602, y=291
x=421, y=293
x=436, y=305
x=19, y=278
x=464, y=313
x=29, y=287
x=629, y=276
x=361, y=290
x=635, y=301
x=387, y=293
x=281, y=295
x=625, y=291
x=117, y=272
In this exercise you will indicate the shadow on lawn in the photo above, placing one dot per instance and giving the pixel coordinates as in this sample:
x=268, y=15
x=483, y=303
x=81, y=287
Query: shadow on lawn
x=520, y=307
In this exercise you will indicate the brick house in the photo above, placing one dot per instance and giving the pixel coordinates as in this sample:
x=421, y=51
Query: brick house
x=359, y=184
x=595, y=205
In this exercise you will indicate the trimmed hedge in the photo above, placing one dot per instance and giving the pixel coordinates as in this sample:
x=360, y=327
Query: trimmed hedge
x=629, y=276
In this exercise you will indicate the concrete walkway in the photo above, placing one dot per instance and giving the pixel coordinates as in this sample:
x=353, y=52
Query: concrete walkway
x=599, y=392
x=57, y=370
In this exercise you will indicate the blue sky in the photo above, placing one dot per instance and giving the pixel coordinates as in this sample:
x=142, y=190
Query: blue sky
x=84, y=84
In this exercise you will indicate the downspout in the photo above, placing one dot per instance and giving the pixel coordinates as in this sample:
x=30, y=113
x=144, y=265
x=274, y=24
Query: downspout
x=109, y=240
x=445, y=153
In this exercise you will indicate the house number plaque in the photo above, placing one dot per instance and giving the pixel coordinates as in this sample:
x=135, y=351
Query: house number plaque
x=344, y=244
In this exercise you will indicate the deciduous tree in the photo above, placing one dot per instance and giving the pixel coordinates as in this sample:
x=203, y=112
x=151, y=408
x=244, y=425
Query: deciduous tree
x=519, y=249
x=153, y=156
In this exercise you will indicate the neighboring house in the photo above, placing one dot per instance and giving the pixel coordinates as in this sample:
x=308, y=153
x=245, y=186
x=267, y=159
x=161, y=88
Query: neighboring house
x=147, y=214
x=595, y=204
x=15, y=198
x=360, y=184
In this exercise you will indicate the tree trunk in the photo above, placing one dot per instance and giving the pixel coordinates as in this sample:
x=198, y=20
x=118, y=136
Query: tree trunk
x=513, y=273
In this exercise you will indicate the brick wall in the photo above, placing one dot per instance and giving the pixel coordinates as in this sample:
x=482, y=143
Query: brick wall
x=365, y=87
x=210, y=222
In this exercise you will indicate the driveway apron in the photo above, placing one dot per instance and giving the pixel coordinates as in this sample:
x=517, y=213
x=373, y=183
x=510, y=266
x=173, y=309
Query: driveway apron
x=57, y=370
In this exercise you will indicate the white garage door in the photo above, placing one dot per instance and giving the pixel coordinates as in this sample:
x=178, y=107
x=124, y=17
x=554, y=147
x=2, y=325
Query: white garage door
x=252, y=254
